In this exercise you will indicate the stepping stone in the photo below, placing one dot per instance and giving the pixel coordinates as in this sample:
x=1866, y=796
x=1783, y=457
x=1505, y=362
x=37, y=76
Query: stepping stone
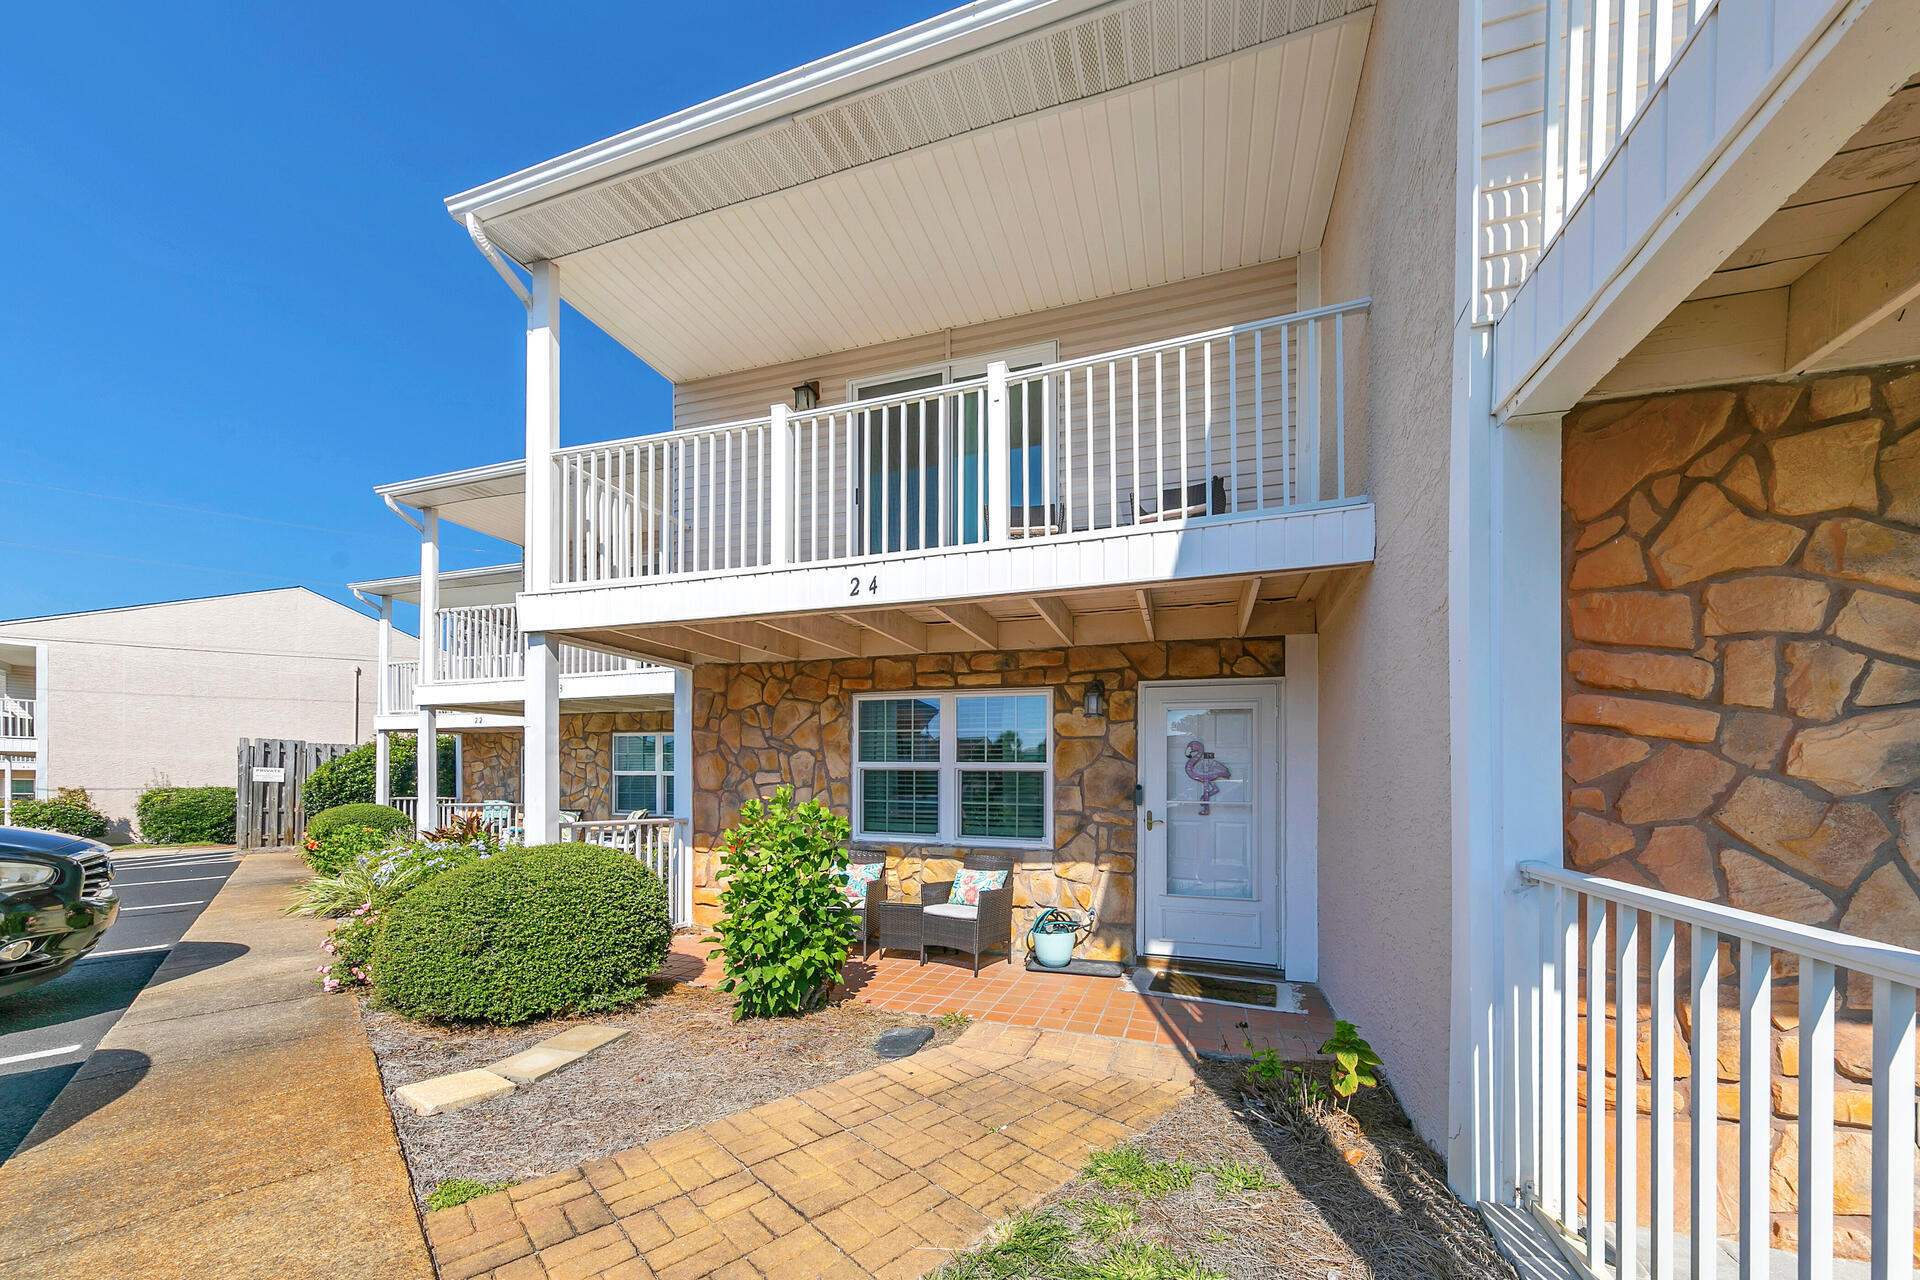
x=456, y=1092
x=531, y=1064
x=582, y=1039
x=902, y=1041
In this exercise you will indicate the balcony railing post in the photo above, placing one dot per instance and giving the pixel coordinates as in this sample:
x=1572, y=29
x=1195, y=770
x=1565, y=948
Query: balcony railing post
x=999, y=456
x=780, y=490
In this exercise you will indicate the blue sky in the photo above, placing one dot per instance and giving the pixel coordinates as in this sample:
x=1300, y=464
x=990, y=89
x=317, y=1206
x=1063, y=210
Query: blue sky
x=233, y=287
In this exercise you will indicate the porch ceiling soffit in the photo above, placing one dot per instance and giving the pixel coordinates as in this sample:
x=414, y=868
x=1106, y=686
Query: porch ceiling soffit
x=1280, y=604
x=1137, y=145
x=495, y=585
x=490, y=499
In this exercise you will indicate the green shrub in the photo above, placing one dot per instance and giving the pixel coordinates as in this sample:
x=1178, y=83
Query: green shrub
x=383, y=873
x=349, y=948
x=787, y=929
x=71, y=810
x=349, y=779
x=339, y=836
x=529, y=933
x=380, y=817
x=186, y=815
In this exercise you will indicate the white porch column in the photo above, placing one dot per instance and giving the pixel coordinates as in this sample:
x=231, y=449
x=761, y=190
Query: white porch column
x=429, y=669
x=999, y=463
x=382, y=767
x=426, y=772
x=683, y=743
x=1300, y=749
x=540, y=749
x=42, y=725
x=6, y=791
x=1504, y=655
x=543, y=424
x=384, y=652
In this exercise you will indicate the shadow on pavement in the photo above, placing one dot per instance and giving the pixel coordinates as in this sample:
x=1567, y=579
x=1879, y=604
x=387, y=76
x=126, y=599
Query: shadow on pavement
x=113, y=1072
x=197, y=957
x=87, y=989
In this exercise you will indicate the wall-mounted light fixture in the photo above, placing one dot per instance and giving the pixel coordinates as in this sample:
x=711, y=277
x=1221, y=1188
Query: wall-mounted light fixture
x=1097, y=698
x=806, y=396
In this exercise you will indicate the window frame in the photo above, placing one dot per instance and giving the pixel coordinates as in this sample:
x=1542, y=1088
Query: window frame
x=948, y=769
x=662, y=773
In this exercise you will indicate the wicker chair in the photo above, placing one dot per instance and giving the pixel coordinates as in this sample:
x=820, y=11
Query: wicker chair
x=974, y=930
x=867, y=914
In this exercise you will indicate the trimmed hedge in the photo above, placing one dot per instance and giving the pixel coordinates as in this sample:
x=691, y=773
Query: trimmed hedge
x=349, y=779
x=529, y=933
x=380, y=817
x=71, y=810
x=186, y=815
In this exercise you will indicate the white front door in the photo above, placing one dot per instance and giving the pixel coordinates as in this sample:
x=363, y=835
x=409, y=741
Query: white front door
x=1210, y=821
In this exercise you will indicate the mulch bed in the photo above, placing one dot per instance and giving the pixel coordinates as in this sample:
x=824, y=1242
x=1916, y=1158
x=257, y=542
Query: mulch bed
x=1362, y=1197
x=684, y=1063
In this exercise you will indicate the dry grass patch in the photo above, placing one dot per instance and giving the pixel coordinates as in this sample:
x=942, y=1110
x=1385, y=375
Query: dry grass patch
x=684, y=1063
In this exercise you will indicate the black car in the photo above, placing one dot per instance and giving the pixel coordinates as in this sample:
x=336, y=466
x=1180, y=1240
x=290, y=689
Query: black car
x=56, y=899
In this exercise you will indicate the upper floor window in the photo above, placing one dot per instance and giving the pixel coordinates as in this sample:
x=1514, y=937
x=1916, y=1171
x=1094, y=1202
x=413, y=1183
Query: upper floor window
x=642, y=773
x=952, y=768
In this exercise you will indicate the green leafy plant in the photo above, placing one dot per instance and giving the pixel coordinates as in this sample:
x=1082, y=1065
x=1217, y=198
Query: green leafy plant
x=1130, y=1168
x=380, y=817
x=1144, y=1260
x=457, y=1191
x=185, y=815
x=332, y=853
x=387, y=867
x=350, y=779
x=349, y=949
x=787, y=930
x=528, y=933
x=1353, y=1060
x=954, y=1020
x=71, y=810
x=1033, y=1243
x=1236, y=1175
x=1103, y=1219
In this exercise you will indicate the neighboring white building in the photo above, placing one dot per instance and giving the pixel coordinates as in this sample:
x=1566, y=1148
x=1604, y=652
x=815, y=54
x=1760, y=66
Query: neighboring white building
x=119, y=700
x=1200, y=361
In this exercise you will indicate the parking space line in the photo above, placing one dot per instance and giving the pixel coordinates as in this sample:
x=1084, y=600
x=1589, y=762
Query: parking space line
x=125, y=951
x=162, y=906
x=141, y=884
x=40, y=1053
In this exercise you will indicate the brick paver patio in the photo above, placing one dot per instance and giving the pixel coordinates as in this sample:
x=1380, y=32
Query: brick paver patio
x=1010, y=993
x=882, y=1174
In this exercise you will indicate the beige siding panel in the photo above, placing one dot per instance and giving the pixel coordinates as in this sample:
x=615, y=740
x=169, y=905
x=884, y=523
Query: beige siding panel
x=1083, y=329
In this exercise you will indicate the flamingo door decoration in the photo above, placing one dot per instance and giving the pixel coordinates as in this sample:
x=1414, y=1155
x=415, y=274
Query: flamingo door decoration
x=1207, y=771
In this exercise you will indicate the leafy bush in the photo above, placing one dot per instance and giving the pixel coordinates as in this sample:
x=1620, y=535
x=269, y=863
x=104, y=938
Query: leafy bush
x=186, y=815
x=383, y=873
x=71, y=810
x=349, y=779
x=787, y=929
x=349, y=948
x=337, y=837
x=1353, y=1060
x=558, y=928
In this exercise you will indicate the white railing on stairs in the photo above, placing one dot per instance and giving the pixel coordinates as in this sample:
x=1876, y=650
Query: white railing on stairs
x=1240, y=420
x=1587, y=1154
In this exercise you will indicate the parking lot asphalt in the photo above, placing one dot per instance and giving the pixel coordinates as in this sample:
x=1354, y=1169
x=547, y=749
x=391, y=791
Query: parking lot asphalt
x=47, y=1032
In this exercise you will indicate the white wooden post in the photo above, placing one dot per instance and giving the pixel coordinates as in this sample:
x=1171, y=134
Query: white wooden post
x=540, y=758
x=42, y=724
x=6, y=794
x=780, y=490
x=429, y=669
x=426, y=772
x=999, y=492
x=382, y=694
x=682, y=743
x=382, y=767
x=543, y=425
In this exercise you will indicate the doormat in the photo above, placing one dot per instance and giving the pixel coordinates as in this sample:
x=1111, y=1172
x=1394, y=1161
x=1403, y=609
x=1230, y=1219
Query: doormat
x=1083, y=968
x=1215, y=988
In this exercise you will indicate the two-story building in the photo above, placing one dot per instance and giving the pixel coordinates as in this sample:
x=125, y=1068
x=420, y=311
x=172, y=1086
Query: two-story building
x=1246, y=460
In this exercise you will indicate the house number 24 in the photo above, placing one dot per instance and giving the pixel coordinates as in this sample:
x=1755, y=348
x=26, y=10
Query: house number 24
x=873, y=586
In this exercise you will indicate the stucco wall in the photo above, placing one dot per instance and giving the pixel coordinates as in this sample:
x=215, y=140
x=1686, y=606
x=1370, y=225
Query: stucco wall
x=491, y=761
x=1385, y=851
x=758, y=726
x=163, y=693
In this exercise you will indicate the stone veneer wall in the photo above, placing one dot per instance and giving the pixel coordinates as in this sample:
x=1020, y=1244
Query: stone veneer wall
x=491, y=760
x=757, y=726
x=1743, y=691
x=1743, y=647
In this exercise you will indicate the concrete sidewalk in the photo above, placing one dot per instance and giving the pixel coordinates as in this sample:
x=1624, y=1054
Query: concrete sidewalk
x=231, y=1125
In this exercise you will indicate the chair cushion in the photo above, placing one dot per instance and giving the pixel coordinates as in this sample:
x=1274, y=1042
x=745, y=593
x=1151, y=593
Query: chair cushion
x=954, y=909
x=858, y=877
x=968, y=884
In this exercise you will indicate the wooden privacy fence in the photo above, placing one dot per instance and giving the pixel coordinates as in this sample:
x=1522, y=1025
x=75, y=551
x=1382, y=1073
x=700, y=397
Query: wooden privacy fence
x=267, y=791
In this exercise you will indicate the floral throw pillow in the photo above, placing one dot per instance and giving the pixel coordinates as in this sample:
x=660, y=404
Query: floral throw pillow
x=968, y=885
x=858, y=877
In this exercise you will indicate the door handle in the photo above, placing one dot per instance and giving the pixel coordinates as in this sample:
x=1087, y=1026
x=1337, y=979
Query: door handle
x=1151, y=824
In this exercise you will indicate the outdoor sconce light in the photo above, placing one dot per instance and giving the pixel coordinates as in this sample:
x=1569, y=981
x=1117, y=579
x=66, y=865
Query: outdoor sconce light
x=806, y=396
x=1097, y=698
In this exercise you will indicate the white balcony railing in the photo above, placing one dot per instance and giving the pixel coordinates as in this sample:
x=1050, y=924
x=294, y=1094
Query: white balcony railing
x=400, y=680
x=18, y=717
x=483, y=642
x=1238, y=421
x=1600, y=73
x=1604, y=1157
